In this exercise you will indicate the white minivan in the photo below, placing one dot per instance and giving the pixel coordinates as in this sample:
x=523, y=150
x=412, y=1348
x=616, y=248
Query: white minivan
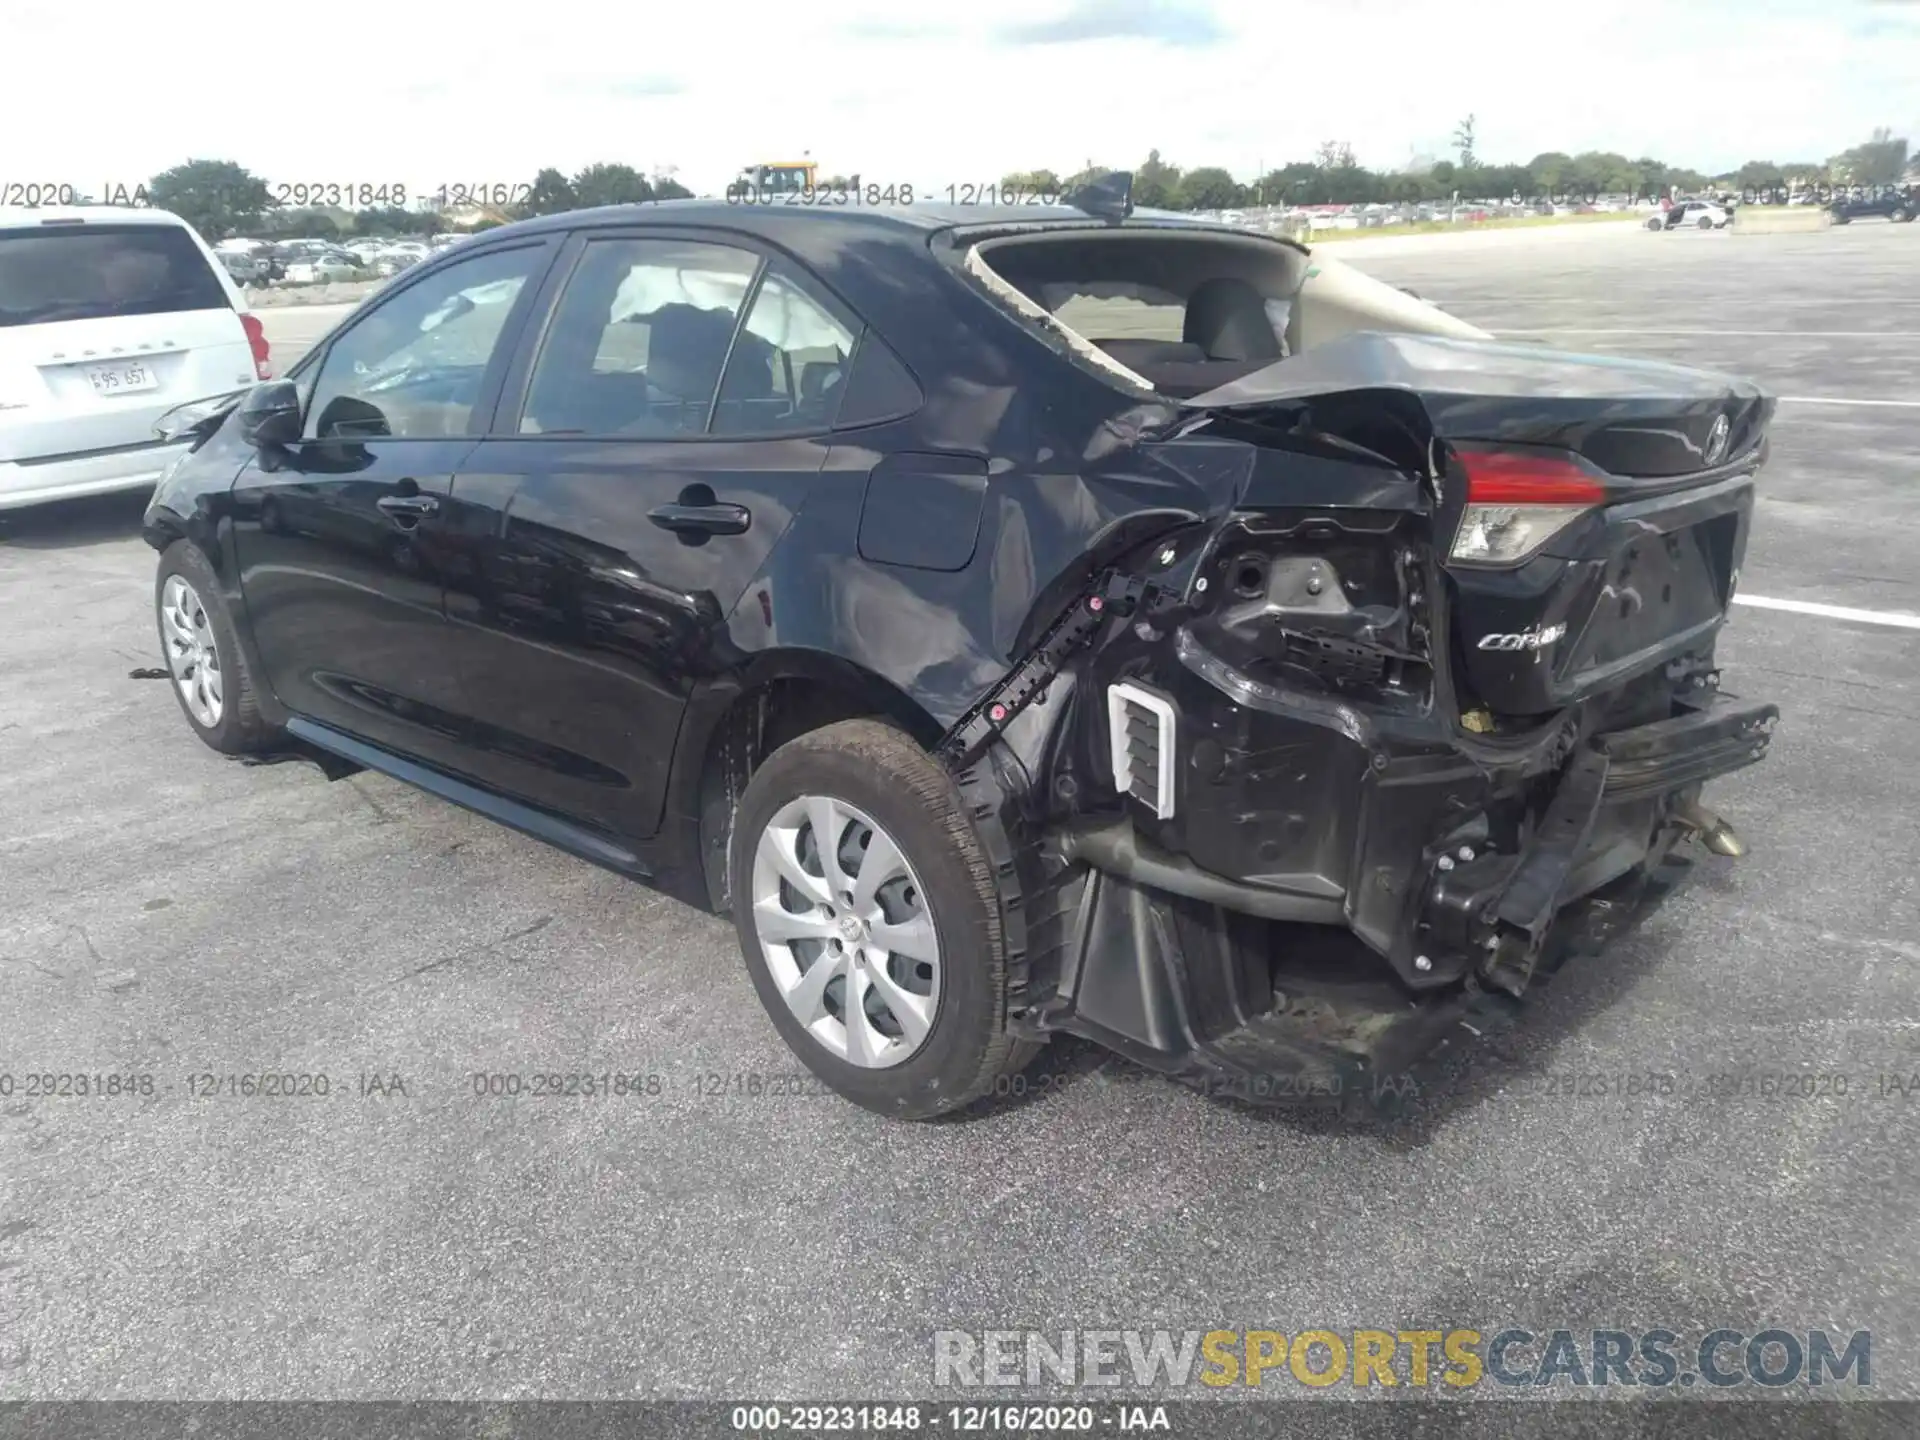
x=109, y=317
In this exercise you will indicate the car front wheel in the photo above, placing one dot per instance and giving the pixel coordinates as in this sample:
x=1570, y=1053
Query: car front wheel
x=204, y=663
x=867, y=911
x=1901, y=214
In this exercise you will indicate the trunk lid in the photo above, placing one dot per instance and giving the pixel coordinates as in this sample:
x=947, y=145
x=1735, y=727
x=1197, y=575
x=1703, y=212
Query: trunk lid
x=1632, y=418
x=1621, y=491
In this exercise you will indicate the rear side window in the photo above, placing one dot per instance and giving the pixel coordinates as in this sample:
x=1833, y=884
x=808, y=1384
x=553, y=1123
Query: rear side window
x=789, y=364
x=91, y=272
x=637, y=342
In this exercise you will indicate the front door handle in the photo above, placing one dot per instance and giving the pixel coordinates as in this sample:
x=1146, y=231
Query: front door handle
x=702, y=519
x=408, y=507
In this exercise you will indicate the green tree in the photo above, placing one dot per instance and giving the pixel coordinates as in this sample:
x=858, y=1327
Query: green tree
x=1156, y=184
x=1334, y=155
x=388, y=220
x=312, y=222
x=550, y=194
x=1036, y=182
x=1549, y=170
x=610, y=185
x=1654, y=177
x=1463, y=142
x=1209, y=188
x=217, y=197
x=1881, y=161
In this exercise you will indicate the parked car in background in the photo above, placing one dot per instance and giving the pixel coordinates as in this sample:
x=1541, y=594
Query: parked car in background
x=393, y=262
x=1692, y=215
x=1887, y=203
x=109, y=317
x=326, y=267
x=246, y=267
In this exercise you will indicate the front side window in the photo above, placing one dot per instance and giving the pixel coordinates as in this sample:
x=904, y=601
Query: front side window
x=788, y=367
x=415, y=366
x=639, y=339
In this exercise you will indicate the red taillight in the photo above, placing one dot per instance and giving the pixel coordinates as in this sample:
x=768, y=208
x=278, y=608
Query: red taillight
x=257, y=339
x=1517, y=502
x=1503, y=477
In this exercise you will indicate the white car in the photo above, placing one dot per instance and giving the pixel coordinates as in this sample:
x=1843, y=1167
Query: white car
x=321, y=269
x=109, y=317
x=1692, y=215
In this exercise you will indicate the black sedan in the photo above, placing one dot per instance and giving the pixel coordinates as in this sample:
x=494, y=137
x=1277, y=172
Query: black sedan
x=1887, y=202
x=1023, y=621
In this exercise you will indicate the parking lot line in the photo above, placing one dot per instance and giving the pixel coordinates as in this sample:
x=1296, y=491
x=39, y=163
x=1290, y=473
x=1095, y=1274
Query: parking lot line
x=1897, y=618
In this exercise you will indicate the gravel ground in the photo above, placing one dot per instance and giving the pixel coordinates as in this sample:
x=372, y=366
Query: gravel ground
x=166, y=912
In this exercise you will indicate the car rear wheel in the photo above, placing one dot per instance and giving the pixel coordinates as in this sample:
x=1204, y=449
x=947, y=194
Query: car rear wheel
x=1705, y=222
x=208, y=672
x=1901, y=214
x=868, y=915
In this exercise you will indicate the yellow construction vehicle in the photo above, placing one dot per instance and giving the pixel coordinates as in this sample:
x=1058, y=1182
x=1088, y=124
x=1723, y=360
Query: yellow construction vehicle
x=775, y=179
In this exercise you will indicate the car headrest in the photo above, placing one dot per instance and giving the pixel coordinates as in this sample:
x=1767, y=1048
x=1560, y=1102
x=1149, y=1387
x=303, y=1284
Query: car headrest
x=686, y=346
x=1227, y=318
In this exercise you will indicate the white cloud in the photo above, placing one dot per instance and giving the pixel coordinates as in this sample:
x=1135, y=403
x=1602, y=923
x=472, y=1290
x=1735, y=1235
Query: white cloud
x=427, y=94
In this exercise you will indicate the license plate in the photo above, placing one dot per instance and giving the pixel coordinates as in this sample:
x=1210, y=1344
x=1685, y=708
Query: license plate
x=122, y=377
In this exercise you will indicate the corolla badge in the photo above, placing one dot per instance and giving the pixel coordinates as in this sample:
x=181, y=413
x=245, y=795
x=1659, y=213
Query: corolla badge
x=1717, y=440
x=1524, y=640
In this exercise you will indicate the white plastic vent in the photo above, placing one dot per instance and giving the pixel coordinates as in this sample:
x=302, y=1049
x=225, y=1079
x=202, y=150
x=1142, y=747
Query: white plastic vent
x=1140, y=726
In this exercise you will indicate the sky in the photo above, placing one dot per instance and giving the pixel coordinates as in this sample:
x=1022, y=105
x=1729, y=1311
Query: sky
x=404, y=92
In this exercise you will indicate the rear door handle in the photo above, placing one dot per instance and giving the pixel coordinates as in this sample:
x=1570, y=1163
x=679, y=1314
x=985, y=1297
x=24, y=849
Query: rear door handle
x=408, y=506
x=702, y=519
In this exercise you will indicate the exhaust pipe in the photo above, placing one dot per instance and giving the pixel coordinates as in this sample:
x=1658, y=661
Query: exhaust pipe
x=1710, y=829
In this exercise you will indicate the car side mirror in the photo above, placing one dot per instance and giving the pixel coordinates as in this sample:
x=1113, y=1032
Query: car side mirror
x=270, y=414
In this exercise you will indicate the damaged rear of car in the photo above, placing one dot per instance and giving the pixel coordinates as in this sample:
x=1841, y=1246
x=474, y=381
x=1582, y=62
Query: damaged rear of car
x=1022, y=621
x=1415, y=703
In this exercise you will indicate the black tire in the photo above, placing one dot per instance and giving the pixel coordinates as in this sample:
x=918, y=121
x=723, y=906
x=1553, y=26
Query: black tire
x=241, y=729
x=1705, y=222
x=1656, y=224
x=1901, y=215
x=879, y=770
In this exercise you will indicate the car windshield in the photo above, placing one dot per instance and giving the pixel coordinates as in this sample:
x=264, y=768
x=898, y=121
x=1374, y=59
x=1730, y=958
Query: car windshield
x=89, y=272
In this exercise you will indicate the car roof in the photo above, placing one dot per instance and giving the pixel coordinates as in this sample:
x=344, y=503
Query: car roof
x=17, y=217
x=898, y=221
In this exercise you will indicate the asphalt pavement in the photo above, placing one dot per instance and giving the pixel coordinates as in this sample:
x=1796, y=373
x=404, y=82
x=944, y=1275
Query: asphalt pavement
x=168, y=913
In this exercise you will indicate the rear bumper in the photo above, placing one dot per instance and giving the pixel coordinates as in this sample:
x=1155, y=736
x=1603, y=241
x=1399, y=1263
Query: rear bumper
x=64, y=477
x=1338, y=891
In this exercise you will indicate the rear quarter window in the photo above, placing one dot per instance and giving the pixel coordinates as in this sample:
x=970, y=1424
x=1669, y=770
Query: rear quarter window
x=91, y=272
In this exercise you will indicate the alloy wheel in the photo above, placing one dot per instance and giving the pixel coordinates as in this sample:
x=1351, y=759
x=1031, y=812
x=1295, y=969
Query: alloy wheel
x=193, y=656
x=845, y=926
